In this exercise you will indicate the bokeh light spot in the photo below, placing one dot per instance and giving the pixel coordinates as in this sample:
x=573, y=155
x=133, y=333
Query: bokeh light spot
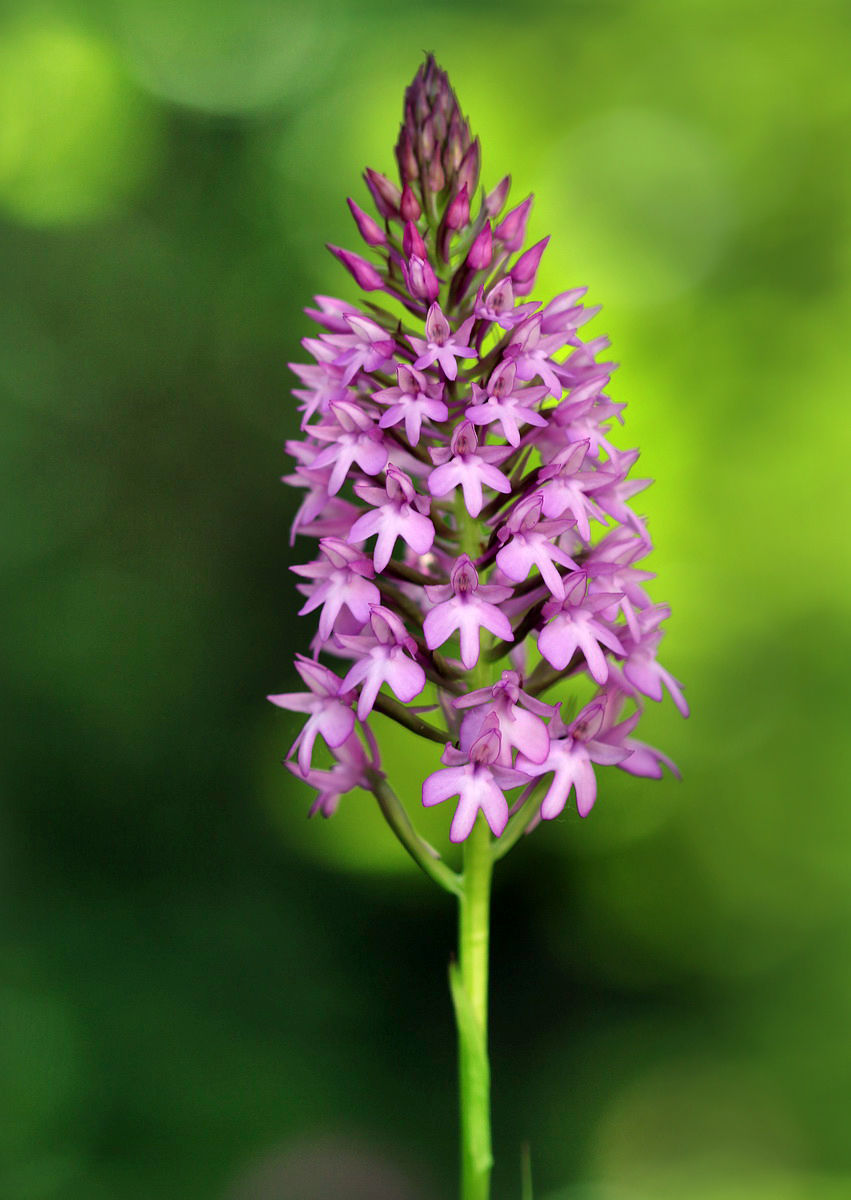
x=40, y=1065
x=228, y=58
x=698, y=1129
x=76, y=137
x=646, y=199
x=356, y=838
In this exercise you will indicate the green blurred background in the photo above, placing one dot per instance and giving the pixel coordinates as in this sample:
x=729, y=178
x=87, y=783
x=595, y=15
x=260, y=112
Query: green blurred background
x=203, y=995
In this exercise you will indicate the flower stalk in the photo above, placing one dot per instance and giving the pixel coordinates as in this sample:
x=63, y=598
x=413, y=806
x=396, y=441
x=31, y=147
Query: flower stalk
x=469, y=988
x=472, y=532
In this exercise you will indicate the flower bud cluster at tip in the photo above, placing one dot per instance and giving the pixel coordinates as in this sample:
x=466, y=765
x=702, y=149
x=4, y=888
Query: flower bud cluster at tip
x=466, y=502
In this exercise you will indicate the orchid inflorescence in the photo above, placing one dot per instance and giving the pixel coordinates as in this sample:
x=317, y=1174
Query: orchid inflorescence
x=472, y=514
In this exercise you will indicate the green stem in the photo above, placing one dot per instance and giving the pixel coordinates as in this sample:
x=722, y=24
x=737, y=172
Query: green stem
x=470, y=993
x=470, y=980
x=398, y=712
x=424, y=855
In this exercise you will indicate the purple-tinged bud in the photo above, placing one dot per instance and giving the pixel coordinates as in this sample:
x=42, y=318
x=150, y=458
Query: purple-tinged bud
x=406, y=158
x=464, y=440
x=439, y=124
x=370, y=231
x=412, y=243
x=365, y=274
x=453, y=151
x=481, y=251
x=409, y=206
x=495, y=200
x=387, y=627
x=436, y=327
x=418, y=111
x=464, y=578
x=428, y=139
x=385, y=194
x=457, y=142
x=485, y=749
x=512, y=228
x=501, y=382
x=458, y=212
x=421, y=279
x=468, y=171
x=526, y=268
x=435, y=178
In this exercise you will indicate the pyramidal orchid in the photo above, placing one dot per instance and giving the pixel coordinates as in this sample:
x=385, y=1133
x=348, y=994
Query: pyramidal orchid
x=470, y=542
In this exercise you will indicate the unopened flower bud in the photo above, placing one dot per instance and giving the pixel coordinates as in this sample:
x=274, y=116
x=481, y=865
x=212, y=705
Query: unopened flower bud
x=495, y=200
x=406, y=158
x=468, y=171
x=458, y=212
x=428, y=140
x=421, y=279
x=435, y=177
x=385, y=194
x=409, y=206
x=481, y=251
x=512, y=228
x=526, y=268
x=412, y=243
x=370, y=231
x=364, y=273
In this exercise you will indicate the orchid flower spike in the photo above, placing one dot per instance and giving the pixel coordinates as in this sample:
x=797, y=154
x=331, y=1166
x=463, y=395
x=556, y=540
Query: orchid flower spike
x=475, y=560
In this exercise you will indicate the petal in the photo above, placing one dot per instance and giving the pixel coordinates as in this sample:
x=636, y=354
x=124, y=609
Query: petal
x=357, y=674
x=385, y=542
x=448, y=362
x=494, y=805
x=644, y=676
x=495, y=621
x=305, y=742
x=469, y=625
x=561, y=786
x=370, y=456
x=528, y=734
x=440, y=624
x=360, y=595
x=294, y=701
x=557, y=642
x=471, y=485
x=464, y=819
x=515, y=559
x=405, y=677
x=336, y=723
x=442, y=784
x=365, y=526
x=443, y=478
x=495, y=479
x=586, y=788
x=371, y=687
x=418, y=532
x=594, y=656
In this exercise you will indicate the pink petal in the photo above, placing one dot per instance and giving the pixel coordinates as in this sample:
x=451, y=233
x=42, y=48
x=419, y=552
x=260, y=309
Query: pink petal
x=365, y=526
x=557, y=642
x=370, y=456
x=440, y=624
x=443, y=784
x=336, y=723
x=586, y=788
x=405, y=677
x=594, y=657
x=469, y=624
